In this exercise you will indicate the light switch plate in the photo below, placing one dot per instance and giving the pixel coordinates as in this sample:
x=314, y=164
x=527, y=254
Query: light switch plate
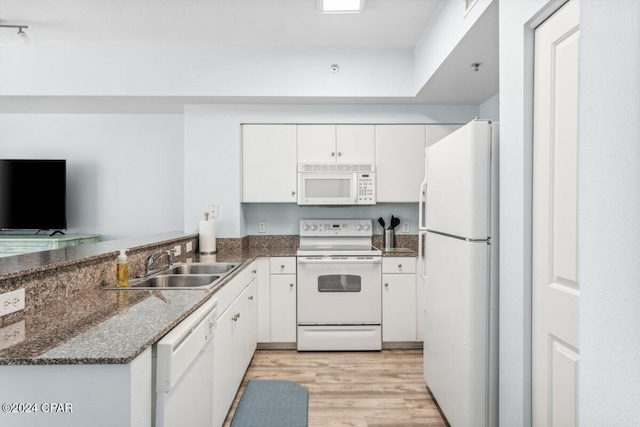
x=213, y=211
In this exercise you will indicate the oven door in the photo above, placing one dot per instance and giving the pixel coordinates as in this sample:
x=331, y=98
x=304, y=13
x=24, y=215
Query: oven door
x=339, y=290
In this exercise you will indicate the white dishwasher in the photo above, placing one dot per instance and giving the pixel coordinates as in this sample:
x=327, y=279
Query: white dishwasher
x=184, y=371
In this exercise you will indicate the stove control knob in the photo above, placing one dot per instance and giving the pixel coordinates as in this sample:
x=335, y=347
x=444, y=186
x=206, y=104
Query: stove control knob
x=305, y=227
x=367, y=227
x=358, y=227
x=314, y=227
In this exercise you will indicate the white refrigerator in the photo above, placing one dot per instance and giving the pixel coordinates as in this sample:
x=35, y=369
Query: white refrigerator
x=458, y=262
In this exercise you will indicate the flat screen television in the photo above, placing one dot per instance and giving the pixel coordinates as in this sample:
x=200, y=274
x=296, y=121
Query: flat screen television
x=33, y=194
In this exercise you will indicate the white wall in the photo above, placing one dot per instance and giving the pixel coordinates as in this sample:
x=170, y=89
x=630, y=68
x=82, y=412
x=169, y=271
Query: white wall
x=109, y=70
x=212, y=153
x=448, y=27
x=609, y=202
x=124, y=172
x=137, y=174
x=490, y=109
x=609, y=213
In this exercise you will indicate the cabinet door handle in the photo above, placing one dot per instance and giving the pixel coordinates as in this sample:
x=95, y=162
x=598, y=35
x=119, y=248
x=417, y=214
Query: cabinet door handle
x=291, y=285
x=293, y=193
x=400, y=266
x=250, y=297
x=333, y=154
x=339, y=153
x=386, y=285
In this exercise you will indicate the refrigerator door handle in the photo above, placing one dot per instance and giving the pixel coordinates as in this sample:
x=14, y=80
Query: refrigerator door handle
x=422, y=256
x=422, y=205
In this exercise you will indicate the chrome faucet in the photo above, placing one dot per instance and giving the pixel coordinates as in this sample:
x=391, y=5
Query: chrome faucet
x=154, y=257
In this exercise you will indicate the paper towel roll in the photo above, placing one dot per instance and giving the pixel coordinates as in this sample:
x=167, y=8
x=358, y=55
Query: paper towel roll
x=207, y=240
x=207, y=257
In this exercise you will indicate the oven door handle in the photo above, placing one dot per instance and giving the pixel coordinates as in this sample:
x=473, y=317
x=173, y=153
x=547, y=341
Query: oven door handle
x=330, y=260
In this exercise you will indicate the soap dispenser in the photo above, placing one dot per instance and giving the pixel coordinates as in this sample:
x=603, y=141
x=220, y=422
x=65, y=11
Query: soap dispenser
x=122, y=269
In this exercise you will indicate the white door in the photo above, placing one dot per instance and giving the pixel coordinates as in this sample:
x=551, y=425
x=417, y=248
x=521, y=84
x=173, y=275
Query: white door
x=555, y=358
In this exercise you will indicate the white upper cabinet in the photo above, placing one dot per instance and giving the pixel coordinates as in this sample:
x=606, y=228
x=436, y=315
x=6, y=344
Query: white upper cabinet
x=399, y=153
x=336, y=143
x=269, y=169
x=399, y=162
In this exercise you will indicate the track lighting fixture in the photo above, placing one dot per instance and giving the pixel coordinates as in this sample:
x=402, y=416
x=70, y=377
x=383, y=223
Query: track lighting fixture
x=20, y=28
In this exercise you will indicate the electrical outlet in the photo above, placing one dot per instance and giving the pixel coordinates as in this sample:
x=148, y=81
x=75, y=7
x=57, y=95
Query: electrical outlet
x=405, y=226
x=12, y=334
x=213, y=211
x=262, y=227
x=189, y=246
x=11, y=302
x=178, y=250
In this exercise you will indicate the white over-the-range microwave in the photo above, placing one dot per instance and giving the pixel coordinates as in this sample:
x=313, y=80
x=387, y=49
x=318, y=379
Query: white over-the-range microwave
x=336, y=184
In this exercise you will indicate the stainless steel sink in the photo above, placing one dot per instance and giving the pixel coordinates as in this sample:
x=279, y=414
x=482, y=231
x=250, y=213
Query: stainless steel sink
x=195, y=275
x=173, y=281
x=201, y=268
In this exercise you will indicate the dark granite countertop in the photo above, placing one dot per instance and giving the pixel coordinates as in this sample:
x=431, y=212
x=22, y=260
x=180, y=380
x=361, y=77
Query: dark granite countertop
x=104, y=326
x=41, y=261
x=100, y=326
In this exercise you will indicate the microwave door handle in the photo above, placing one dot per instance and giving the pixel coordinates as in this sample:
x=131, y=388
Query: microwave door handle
x=355, y=189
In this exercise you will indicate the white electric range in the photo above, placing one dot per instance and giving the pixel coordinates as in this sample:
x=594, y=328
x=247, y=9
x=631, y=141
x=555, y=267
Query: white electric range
x=339, y=286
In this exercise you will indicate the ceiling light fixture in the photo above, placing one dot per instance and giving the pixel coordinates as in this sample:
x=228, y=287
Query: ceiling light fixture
x=20, y=28
x=341, y=6
x=476, y=66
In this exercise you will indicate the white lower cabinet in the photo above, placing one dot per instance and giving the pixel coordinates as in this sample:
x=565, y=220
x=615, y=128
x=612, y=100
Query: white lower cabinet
x=283, y=300
x=399, y=320
x=235, y=338
x=78, y=395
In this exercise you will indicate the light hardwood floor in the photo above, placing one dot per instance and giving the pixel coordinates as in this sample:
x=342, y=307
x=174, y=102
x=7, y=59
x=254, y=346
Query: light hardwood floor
x=354, y=389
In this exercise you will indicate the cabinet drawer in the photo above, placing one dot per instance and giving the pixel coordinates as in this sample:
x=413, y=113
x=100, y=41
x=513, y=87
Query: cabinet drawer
x=283, y=265
x=399, y=265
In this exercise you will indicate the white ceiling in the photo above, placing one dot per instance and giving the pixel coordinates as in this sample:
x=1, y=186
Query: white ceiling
x=393, y=24
x=219, y=23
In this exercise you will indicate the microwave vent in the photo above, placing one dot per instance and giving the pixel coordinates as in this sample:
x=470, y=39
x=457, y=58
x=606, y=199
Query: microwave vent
x=336, y=167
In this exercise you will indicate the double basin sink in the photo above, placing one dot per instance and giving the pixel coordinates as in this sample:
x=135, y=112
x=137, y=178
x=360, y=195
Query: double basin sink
x=185, y=276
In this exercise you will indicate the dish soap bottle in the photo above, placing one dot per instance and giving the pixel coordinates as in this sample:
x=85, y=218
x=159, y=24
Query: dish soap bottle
x=122, y=270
